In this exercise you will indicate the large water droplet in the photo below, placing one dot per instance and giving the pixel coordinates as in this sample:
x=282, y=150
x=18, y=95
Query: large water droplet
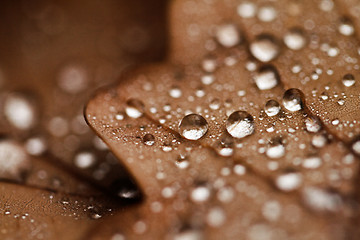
x=135, y=108
x=265, y=48
x=295, y=39
x=228, y=35
x=272, y=108
x=149, y=139
x=240, y=124
x=348, y=80
x=292, y=100
x=266, y=78
x=193, y=127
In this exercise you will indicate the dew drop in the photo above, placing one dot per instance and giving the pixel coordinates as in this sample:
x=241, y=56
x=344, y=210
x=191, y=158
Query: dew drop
x=135, y=108
x=267, y=14
x=312, y=162
x=312, y=124
x=295, y=39
x=321, y=200
x=267, y=78
x=149, y=139
x=289, y=181
x=193, y=127
x=292, y=100
x=272, y=108
x=84, y=160
x=276, y=149
x=346, y=27
x=318, y=141
x=216, y=217
x=240, y=124
x=228, y=35
x=14, y=161
x=207, y=79
x=246, y=10
x=200, y=194
x=265, y=48
x=356, y=146
x=209, y=64
x=225, y=147
x=348, y=80
x=175, y=92
x=20, y=111
x=215, y=104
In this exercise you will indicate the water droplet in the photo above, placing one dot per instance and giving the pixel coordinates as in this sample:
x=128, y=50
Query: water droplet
x=73, y=79
x=321, y=200
x=289, y=181
x=182, y=162
x=35, y=146
x=312, y=124
x=319, y=141
x=240, y=124
x=267, y=78
x=207, y=79
x=125, y=189
x=356, y=146
x=216, y=217
x=267, y=13
x=215, y=104
x=84, y=160
x=209, y=65
x=272, y=108
x=135, y=108
x=14, y=161
x=175, y=92
x=265, y=48
x=189, y=234
x=348, y=80
x=271, y=210
x=149, y=139
x=228, y=35
x=292, y=100
x=295, y=39
x=346, y=27
x=246, y=9
x=193, y=127
x=20, y=111
x=276, y=148
x=200, y=194
x=312, y=162
x=225, y=147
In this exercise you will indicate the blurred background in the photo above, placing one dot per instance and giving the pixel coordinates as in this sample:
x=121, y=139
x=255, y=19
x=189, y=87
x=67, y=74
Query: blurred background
x=53, y=56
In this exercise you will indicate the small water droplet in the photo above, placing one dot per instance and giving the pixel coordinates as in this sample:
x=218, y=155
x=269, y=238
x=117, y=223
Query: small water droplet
x=266, y=78
x=200, y=194
x=348, y=80
x=228, y=35
x=267, y=13
x=14, y=161
x=292, y=100
x=209, y=64
x=225, y=147
x=321, y=200
x=240, y=124
x=346, y=27
x=265, y=48
x=318, y=141
x=272, y=108
x=193, y=127
x=215, y=217
x=356, y=146
x=312, y=124
x=289, y=181
x=215, y=104
x=175, y=92
x=207, y=79
x=149, y=139
x=189, y=234
x=295, y=39
x=20, y=111
x=312, y=162
x=276, y=148
x=84, y=160
x=135, y=108
x=246, y=9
